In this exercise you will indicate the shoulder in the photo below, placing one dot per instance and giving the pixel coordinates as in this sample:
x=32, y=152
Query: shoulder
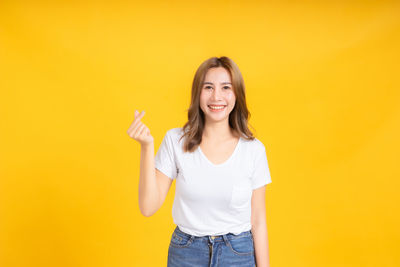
x=255, y=145
x=174, y=134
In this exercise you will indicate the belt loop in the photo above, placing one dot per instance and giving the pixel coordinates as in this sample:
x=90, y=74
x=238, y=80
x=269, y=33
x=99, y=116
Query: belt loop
x=226, y=240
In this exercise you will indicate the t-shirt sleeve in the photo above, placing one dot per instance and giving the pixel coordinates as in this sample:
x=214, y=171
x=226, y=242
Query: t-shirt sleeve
x=261, y=175
x=165, y=158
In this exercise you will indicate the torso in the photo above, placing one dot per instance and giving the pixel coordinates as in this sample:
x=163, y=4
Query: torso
x=205, y=192
x=220, y=152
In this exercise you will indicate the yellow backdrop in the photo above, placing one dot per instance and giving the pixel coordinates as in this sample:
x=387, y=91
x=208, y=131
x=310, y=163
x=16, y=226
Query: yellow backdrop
x=323, y=89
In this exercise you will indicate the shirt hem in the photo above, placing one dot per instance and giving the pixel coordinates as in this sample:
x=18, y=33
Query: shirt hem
x=199, y=234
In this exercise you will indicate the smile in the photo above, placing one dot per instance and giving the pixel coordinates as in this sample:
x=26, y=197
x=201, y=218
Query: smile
x=217, y=108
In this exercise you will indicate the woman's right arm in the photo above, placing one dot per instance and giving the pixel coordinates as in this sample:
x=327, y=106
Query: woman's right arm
x=153, y=184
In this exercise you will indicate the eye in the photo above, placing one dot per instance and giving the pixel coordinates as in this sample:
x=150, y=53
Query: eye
x=227, y=87
x=208, y=86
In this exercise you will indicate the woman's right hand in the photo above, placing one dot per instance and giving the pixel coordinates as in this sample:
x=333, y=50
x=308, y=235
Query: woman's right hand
x=139, y=131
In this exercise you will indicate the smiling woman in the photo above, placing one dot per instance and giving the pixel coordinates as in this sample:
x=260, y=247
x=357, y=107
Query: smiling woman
x=220, y=169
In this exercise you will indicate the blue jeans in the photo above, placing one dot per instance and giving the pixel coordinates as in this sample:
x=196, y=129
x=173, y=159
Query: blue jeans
x=224, y=250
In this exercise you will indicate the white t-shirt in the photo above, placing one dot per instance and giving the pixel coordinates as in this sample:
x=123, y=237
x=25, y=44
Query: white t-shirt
x=212, y=199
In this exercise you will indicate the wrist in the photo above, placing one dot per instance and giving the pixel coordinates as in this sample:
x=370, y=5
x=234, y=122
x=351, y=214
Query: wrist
x=147, y=145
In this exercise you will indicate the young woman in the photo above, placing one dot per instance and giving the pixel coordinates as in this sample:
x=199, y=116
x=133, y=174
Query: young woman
x=221, y=171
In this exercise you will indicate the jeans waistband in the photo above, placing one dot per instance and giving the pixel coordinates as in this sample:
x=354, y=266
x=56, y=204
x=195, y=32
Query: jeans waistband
x=214, y=237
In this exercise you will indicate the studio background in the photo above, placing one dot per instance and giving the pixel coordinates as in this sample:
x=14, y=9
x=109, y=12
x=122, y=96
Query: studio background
x=323, y=89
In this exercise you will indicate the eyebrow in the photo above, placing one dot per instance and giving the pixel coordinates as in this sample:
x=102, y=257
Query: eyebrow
x=212, y=83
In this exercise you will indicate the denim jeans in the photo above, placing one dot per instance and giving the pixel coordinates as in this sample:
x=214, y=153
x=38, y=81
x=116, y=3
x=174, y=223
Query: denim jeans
x=210, y=251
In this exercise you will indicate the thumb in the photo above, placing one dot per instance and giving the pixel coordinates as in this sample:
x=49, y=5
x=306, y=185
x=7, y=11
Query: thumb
x=136, y=113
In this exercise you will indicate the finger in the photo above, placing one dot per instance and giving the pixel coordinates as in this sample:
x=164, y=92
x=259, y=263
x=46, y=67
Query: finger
x=142, y=130
x=137, y=119
x=133, y=127
x=139, y=130
x=139, y=115
x=136, y=127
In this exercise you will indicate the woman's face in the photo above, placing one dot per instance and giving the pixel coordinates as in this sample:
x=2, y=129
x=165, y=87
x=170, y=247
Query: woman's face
x=217, y=98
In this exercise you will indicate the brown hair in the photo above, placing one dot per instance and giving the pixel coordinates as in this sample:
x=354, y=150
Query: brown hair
x=238, y=117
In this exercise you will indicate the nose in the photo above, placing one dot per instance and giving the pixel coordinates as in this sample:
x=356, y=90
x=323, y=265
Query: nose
x=216, y=94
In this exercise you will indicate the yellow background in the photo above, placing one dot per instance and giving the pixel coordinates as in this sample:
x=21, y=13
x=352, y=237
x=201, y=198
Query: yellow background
x=322, y=81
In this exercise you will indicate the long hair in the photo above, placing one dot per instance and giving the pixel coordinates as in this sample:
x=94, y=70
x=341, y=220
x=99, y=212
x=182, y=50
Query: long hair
x=238, y=117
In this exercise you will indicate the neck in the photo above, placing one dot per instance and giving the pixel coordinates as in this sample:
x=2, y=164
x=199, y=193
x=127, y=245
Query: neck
x=218, y=131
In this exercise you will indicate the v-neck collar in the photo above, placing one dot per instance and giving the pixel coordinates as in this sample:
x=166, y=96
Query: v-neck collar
x=226, y=161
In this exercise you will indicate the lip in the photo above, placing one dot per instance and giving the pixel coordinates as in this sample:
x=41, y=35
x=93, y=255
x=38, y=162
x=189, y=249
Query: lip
x=216, y=110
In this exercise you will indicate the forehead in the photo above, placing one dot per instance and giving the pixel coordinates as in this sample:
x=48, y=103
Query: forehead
x=217, y=75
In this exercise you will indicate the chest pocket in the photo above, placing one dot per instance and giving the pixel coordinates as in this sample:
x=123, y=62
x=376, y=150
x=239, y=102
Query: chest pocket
x=241, y=195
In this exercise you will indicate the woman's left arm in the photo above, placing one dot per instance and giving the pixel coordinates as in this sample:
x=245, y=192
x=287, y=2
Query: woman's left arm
x=259, y=227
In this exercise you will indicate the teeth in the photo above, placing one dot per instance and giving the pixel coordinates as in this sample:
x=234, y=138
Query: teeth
x=216, y=107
